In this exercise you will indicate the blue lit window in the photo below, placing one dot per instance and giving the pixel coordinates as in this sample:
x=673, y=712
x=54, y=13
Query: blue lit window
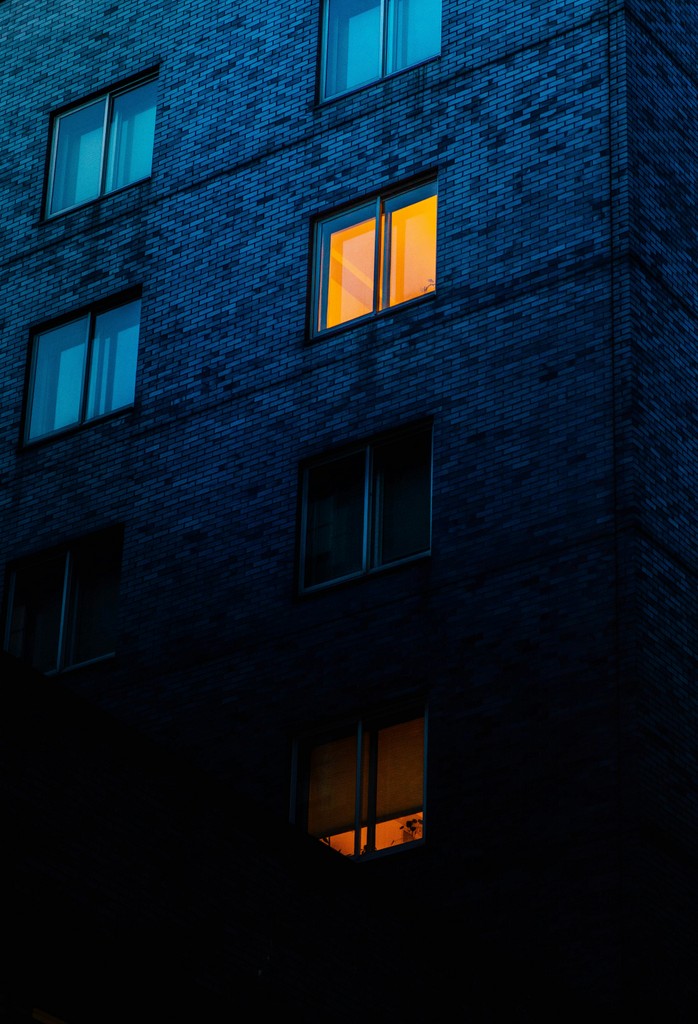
x=364, y=40
x=83, y=369
x=101, y=146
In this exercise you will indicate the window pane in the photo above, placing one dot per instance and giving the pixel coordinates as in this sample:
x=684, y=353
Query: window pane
x=332, y=789
x=347, y=274
x=412, y=248
x=77, y=165
x=402, y=498
x=414, y=32
x=113, y=360
x=334, y=538
x=353, y=44
x=400, y=783
x=35, y=620
x=58, y=373
x=131, y=133
x=94, y=596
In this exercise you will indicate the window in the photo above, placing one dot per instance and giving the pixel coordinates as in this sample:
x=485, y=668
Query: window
x=82, y=369
x=62, y=605
x=366, y=509
x=375, y=256
x=363, y=40
x=101, y=146
x=362, y=790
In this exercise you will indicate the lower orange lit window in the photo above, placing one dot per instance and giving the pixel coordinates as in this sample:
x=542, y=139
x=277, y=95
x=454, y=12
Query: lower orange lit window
x=376, y=255
x=365, y=789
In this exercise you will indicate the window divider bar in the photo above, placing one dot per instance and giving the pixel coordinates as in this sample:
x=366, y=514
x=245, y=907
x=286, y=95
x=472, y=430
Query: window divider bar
x=366, y=560
x=63, y=619
x=84, y=398
x=359, y=789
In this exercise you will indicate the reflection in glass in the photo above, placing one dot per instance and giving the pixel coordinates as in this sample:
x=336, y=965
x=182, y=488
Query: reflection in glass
x=131, y=134
x=334, y=541
x=413, y=32
x=353, y=44
x=77, y=163
x=59, y=369
x=113, y=360
x=351, y=275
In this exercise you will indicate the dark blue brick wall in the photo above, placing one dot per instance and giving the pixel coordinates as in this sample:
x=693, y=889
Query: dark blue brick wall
x=523, y=358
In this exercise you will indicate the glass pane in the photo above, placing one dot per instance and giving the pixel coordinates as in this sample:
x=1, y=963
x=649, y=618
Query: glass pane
x=57, y=379
x=35, y=618
x=113, y=360
x=412, y=249
x=94, y=596
x=414, y=32
x=348, y=261
x=131, y=134
x=334, y=538
x=402, y=498
x=77, y=166
x=332, y=791
x=352, y=45
x=400, y=783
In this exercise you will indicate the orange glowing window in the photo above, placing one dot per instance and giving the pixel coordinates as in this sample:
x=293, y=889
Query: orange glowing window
x=365, y=790
x=374, y=256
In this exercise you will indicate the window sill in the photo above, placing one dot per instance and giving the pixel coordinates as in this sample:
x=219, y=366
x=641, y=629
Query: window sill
x=78, y=428
x=49, y=218
x=80, y=665
x=355, y=577
x=325, y=101
x=370, y=318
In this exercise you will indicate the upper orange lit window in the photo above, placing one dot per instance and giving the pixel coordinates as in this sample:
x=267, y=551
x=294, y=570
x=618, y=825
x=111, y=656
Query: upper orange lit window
x=365, y=790
x=374, y=256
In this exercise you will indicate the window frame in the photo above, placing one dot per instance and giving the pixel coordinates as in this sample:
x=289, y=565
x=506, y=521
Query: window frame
x=90, y=314
x=379, y=207
x=368, y=725
x=109, y=96
x=109, y=540
x=385, y=41
x=370, y=561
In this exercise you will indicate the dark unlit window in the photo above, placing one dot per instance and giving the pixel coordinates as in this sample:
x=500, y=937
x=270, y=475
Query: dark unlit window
x=62, y=607
x=363, y=790
x=366, y=509
x=101, y=146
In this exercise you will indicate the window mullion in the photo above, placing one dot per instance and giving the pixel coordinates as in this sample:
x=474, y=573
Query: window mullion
x=386, y=222
x=84, y=397
x=384, y=38
x=371, y=790
x=359, y=789
x=105, y=144
x=64, y=624
x=378, y=258
x=368, y=509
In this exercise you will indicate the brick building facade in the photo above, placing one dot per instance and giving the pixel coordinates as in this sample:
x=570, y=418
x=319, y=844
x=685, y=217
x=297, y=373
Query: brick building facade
x=354, y=469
